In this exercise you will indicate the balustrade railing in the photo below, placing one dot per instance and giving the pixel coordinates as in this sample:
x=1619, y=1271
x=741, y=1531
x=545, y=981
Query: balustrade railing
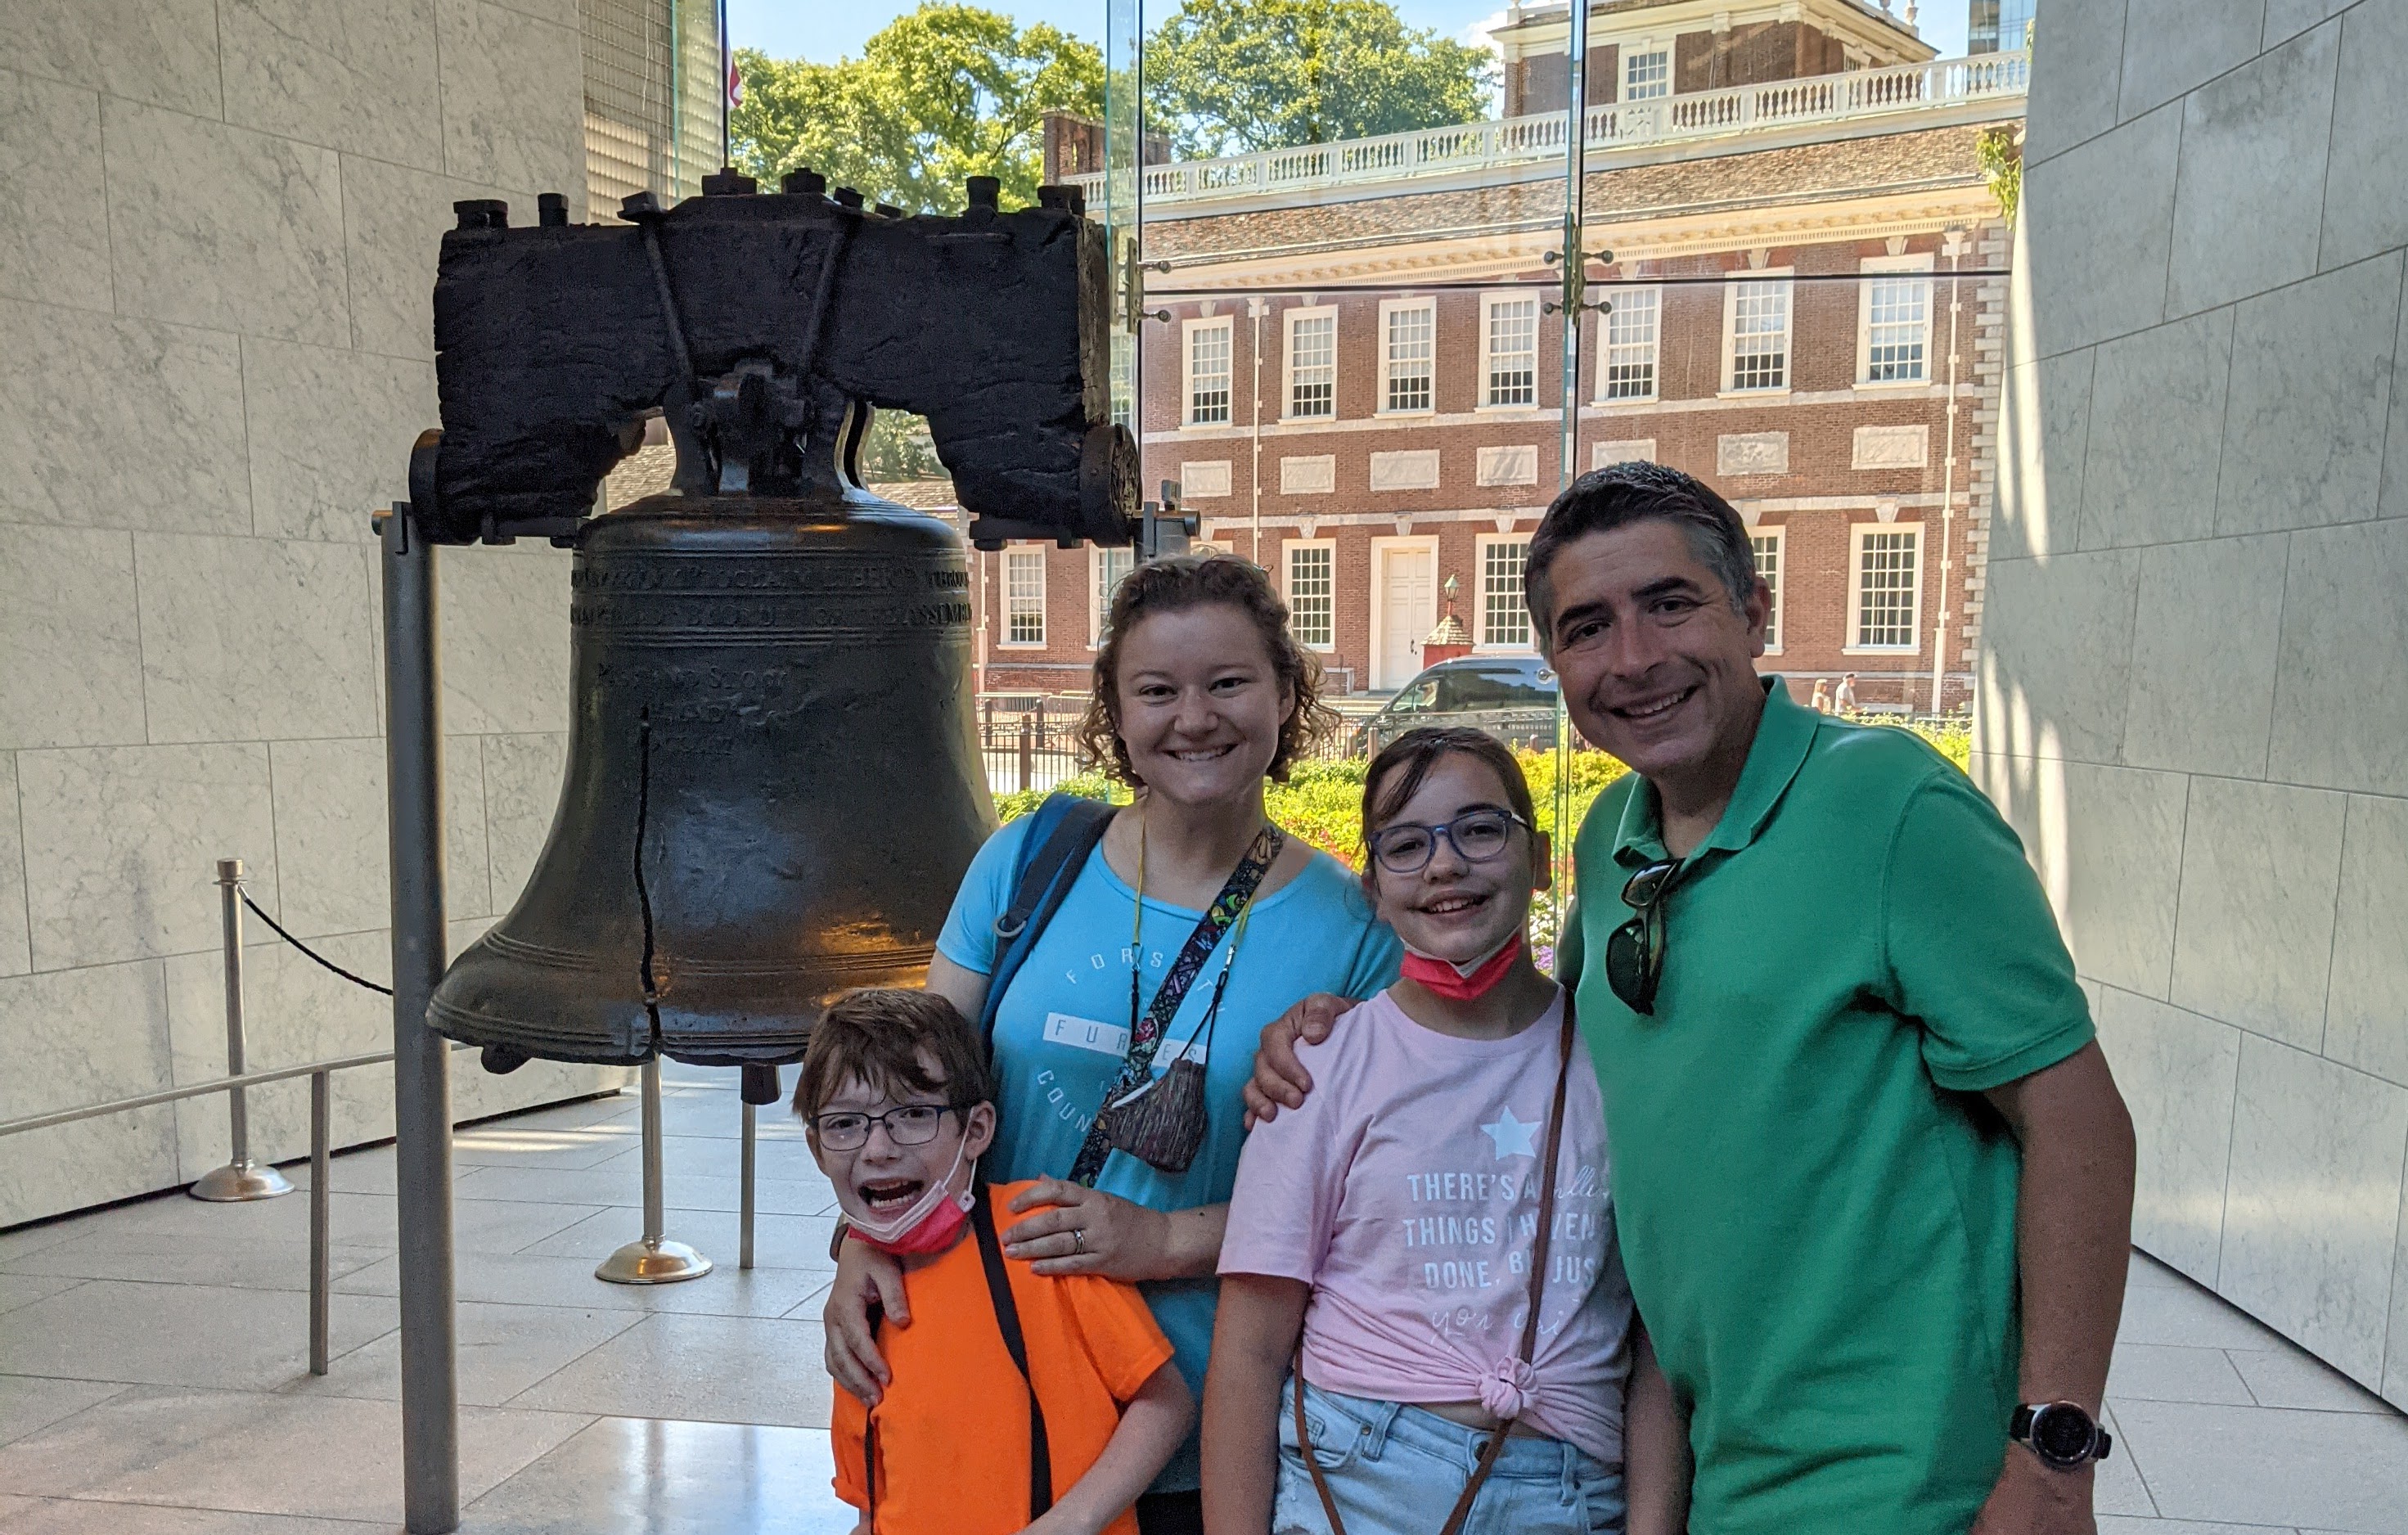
x=1515, y=141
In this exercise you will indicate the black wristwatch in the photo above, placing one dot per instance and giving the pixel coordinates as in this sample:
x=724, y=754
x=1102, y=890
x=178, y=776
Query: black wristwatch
x=2060, y=1433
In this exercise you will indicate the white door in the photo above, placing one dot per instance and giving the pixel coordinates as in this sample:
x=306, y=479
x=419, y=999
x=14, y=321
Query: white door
x=1408, y=612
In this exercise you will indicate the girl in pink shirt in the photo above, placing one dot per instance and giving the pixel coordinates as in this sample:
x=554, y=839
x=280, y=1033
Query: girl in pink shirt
x=1376, y=1366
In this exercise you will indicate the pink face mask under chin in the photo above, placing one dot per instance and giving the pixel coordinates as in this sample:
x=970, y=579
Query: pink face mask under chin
x=931, y=1225
x=1455, y=983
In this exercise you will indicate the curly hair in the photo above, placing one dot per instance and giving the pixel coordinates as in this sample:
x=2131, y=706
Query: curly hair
x=1195, y=581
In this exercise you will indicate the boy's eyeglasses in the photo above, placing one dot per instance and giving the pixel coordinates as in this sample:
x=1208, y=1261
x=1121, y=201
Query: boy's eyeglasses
x=1634, y=955
x=912, y=1125
x=1477, y=836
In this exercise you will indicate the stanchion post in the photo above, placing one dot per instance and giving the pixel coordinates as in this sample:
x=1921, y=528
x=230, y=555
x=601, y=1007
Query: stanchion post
x=321, y=1204
x=653, y=1259
x=744, y=1195
x=422, y=1080
x=240, y=1178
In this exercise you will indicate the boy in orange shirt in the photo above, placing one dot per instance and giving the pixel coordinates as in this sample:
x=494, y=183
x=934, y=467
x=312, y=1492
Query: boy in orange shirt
x=1017, y=1401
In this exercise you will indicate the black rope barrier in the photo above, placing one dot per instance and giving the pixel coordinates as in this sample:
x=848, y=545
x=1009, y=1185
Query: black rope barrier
x=355, y=980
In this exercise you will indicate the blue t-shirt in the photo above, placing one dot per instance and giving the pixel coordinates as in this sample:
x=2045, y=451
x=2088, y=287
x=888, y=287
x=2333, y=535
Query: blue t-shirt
x=1063, y=1032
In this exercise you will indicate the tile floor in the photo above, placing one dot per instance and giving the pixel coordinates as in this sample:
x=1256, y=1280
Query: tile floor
x=153, y=1383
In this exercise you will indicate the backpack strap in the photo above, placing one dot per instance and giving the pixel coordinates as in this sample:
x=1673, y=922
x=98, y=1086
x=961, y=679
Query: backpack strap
x=1062, y=832
x=1007, y=1318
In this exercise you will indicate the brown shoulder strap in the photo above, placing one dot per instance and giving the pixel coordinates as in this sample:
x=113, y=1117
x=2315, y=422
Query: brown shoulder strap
x=1496, y=1445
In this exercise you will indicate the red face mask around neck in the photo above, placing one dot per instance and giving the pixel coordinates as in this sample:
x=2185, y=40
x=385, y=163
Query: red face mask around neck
x=1440, y=979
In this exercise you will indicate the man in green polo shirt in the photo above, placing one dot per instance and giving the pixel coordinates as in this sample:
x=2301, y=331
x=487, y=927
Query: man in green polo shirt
x=1871, y=1177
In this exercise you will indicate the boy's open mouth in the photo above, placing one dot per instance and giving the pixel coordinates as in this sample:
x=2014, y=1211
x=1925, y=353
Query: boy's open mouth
x=889, y=1194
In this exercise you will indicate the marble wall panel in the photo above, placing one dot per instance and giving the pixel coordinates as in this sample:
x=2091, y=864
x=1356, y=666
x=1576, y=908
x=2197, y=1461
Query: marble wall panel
x=2364, y=212
x=16, y=945
x=2366, y=1014
x=331, y=852
x=2340, y=686
x=2253, y=139
x=160, y=51
x=121, y=844
x=2157, y=423
x=77, y=1037
x=2053, y=683
x=2311, y=394
x=2076, y=76
x=352, y=74
x=2395, y=1358
x=330, y=435
x=2205, y=638
x=191, y=205
x=2394, y=499
x=2102, y=277
x=253, y=639
x=2182, y=45
x=394, y=220
x=513, y=90
x=2118, y=897
x=523, y=779
x=2287, y=19
x=2043, y=435
x=54, y=246
x=2311, y=1220
x=107, y=422
x=505, y=639
x=2178, y=1073
x=2260, y=866
x=70, y=630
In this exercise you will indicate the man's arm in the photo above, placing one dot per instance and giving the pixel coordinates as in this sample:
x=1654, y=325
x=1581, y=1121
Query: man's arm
x=1655, y=1445
x=2073, y=1244
x=1279, y=1079
x=1253, y=1338
x=1151, y=1428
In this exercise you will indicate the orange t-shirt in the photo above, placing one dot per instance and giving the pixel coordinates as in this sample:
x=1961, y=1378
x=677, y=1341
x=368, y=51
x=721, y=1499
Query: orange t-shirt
x=952, y=1428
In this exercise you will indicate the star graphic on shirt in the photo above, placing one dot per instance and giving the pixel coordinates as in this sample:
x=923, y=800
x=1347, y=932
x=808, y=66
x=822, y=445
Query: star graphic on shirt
x=1512, y=1137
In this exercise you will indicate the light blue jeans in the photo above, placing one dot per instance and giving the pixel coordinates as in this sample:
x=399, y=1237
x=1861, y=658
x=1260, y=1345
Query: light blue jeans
x=1397, y=1470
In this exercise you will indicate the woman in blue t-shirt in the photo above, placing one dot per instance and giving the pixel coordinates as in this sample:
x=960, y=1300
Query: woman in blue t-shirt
x=1195, y=922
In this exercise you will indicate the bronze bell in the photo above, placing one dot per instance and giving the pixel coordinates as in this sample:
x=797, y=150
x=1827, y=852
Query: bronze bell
x=774, y=784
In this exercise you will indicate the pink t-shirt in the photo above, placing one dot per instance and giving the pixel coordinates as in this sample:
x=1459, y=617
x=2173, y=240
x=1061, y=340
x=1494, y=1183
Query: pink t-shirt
x=1406, y=1192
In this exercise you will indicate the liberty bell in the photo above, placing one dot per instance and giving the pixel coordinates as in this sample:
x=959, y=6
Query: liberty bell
x=774, y=784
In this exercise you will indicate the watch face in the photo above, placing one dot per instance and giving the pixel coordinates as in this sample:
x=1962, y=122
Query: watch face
x=2062, y=1433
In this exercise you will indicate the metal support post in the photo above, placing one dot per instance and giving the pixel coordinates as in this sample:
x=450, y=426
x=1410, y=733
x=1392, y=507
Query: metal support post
x=322, y=1130
x=653, y=1259
x=744, y=1195
x=240, y=1178
x=1028, y=752
x=422, y=1069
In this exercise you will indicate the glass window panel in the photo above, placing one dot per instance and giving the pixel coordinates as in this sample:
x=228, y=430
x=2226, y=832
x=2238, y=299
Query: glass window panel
x=1512, y=352
x=1313, y=365
x=1111, y=566
x=1633, y=336
x=1897, y=324
x=1208, y=375
x=1504, y=616
x=1023, y=583
x=1412, y=346
x=1311, y=594
x=1760, y=335
x=1888, y=569
x=1768, y=566
x=1647, y=76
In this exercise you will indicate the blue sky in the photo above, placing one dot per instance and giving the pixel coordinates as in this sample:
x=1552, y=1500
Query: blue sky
x=826, y=30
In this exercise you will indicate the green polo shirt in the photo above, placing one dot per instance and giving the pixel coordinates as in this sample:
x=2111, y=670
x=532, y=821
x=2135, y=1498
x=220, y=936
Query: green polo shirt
x=1815, y=1205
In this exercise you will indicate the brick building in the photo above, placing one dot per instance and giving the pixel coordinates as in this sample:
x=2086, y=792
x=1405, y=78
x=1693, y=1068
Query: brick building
x=1358, y=382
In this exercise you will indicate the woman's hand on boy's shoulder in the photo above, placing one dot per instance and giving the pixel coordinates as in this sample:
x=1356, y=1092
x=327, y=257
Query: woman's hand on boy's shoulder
x=1079, y=1230
x=1279, y=1079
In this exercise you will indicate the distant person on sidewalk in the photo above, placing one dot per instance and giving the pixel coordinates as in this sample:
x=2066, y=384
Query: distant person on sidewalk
x=1821, y=702
x=1844, y=701
x=1018, y=1401
x=1871, y=1178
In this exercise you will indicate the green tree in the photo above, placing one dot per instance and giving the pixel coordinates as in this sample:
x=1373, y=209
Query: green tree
x=946, y=93
x=1223, y=76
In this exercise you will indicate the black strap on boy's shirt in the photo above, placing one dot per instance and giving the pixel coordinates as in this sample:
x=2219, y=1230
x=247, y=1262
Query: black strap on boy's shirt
x=1007, y=1319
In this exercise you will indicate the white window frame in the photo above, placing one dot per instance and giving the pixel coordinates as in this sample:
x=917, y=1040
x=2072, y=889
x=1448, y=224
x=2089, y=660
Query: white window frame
x=1857, y=534
x=1605, y=347
x=1882, y=266
x=1730, y=386
x=1488, y=306
x=1388, y=309
x=1778, y=537
x=1189, y=331
x=1631, y=54
x=1025, y=555
x=1288, y=548
x=1100, y=596
x=1287, y=360
x=1481, y=643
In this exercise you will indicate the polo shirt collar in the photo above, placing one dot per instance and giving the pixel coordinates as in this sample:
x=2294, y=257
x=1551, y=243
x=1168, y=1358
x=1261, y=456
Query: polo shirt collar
x=1784, y=733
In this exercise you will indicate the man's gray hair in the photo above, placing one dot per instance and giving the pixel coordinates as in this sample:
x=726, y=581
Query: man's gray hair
x=1639, y=492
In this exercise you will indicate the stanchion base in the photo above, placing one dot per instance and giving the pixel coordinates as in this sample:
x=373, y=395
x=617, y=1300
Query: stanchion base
x=238, y=1182
x=643, y=1262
